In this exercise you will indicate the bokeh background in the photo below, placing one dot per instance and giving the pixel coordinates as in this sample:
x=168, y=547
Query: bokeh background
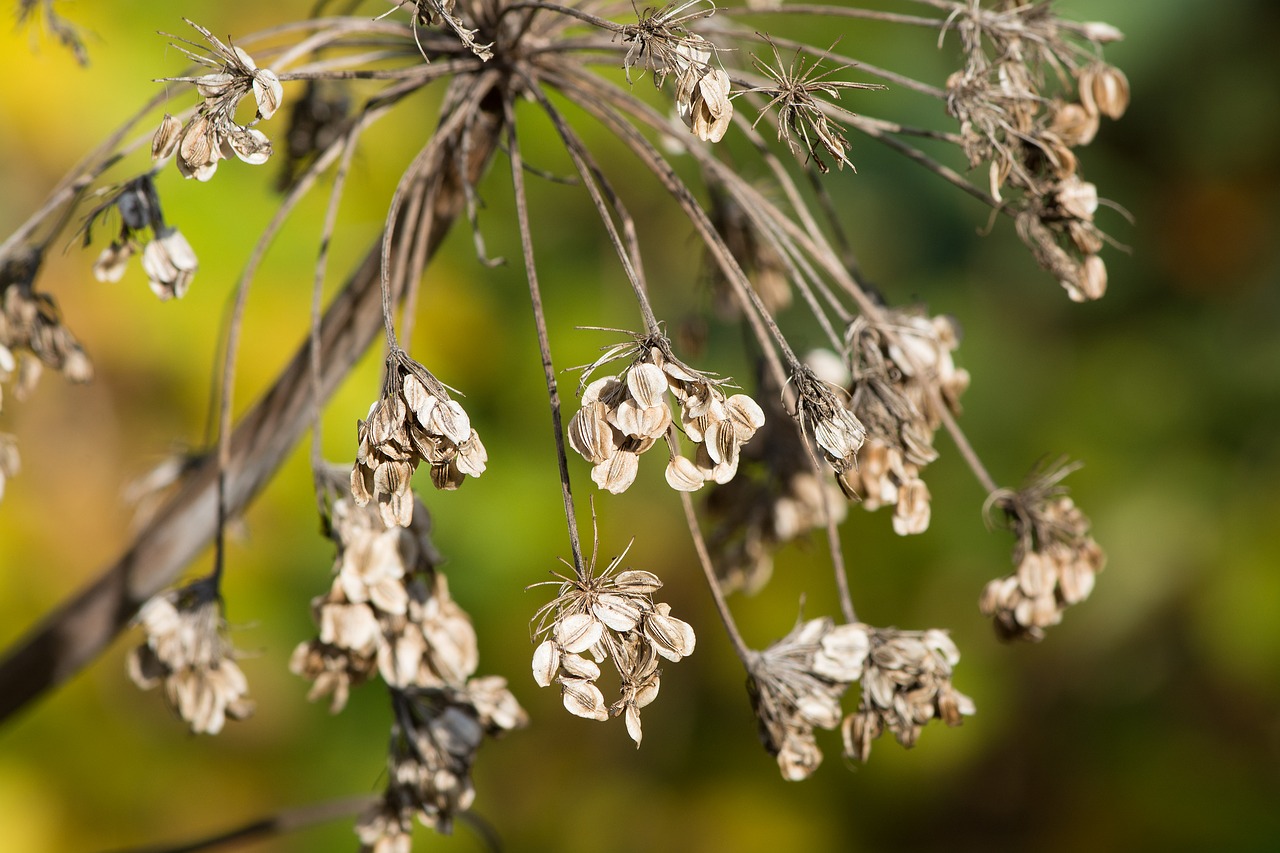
x=1149, y=720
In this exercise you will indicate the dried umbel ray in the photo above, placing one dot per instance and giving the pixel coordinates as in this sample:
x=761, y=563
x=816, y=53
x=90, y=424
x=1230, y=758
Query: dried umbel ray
x=1029, y=90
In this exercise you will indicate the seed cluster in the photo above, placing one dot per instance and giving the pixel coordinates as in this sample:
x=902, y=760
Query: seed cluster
x=611, y=616
x=167, y=258
x=415, y=421
x=903, y=375
x=1010, y=119
x=32, y=335
x=388, y=612
x=1056, y=559
x=186, y=652
x=623, y=416
x=213, y=133
x=905, y=685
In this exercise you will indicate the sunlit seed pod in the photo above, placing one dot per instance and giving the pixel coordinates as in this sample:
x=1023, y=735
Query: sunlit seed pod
x=1077, y=198
x=911, y=515
x=636, y=582
x=472, y=456
x=745, y=414
x=673, y=638
x=607, y=390
x=683, y=475
x=647, y=384
x=416, y=396
x=619, y=612
x=639, y=422
x=576, y=666
x=1074, y=124
x=632, y=717
x=1036, y=574
x=251, y=146
x=166, y=139
x=590, y=435
x=211, y=86
x=577, y=632
x=449, y=419
x=617, y=473
x=583, y=699
x=267, y=92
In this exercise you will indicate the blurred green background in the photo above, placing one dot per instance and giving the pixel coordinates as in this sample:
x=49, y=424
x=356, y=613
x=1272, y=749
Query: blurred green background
x=1149, y=720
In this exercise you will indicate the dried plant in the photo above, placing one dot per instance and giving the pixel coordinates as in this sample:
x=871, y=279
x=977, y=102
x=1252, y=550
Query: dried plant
x=854, y=422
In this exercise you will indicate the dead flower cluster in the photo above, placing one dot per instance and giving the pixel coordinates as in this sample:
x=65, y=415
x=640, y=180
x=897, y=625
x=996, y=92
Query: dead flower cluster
x=903, y=374
x=414, y=421
x=1055, y=558
x=623, y=416
x=186, y=652
x=1032, y=90
x=612, y=617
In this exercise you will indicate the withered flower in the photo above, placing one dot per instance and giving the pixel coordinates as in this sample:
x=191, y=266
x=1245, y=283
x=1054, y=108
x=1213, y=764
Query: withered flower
x=414, y=421
x=612, y=616
x=186, y=652
x=906, y=682
x=1055, y=558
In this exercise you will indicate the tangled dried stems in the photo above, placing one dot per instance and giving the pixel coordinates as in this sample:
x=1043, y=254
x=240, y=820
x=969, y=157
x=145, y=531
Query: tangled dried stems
x=855, y=422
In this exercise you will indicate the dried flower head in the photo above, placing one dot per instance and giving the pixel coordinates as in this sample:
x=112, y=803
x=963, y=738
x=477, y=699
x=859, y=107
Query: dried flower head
x=32, y=334
x=213, y=133
x=388, y=611
x=906, y=682
x=903, y=375
x=1014, y=118
x=622, y=416
x=186, y=652
x=776, y=498
x=802, y=119
x=434, y=739
x=1055, y=558
x=836, y=429
x=415, y=421
x=611, y=616
x=795, y=686
x=167, y=258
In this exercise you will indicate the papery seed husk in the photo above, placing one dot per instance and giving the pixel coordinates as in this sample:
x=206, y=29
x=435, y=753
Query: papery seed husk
x=647, y=384
x=590, y=435
x=632, y=716
x=637, y=582
x=577, y=632
x=449, y=419
x=745, y=414
x=472, y=456
x=446, y=476
x=576, y=666
x=251, y=146
x=683, y=475
x=583, y=699
x=212, y=86
x=168, y=135
x=617, y=473
x=267, y=92
x=673, y=638
x=604, y=390
x=619, y=612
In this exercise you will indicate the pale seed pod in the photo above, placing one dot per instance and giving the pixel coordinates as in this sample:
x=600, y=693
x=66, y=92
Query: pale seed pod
x=647, y=384
x=577, y=632
x=1105, y=90
x=267, y=92
x=165, y=142
x=673, y=638
x=617, y=473
x=583, y=699
x=576, y=666
x=683, y=475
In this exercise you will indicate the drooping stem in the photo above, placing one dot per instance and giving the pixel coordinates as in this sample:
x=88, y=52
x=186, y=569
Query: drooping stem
x=544, y=343
x=717, y=595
